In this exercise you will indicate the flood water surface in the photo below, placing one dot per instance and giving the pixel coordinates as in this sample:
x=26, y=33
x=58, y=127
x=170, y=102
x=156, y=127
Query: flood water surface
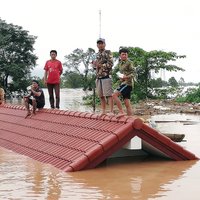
x=22, y=178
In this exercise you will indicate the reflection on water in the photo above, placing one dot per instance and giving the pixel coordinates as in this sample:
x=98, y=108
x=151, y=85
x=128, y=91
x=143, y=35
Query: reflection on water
x=133, y=180
x=22, y=178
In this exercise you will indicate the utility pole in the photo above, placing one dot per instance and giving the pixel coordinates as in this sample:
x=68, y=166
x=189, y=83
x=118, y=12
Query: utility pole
x=94, y=92
x=99, y=23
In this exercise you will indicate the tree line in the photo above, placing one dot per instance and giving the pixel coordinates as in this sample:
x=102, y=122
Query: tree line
x=17, y=59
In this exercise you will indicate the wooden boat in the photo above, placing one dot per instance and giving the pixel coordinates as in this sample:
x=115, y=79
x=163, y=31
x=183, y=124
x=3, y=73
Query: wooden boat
x=175, y=137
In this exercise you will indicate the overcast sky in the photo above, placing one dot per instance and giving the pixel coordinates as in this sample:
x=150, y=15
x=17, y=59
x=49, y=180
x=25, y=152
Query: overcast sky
x=169, y=25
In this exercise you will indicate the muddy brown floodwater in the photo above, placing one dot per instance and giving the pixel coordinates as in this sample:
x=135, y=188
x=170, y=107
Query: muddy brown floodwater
x=22, y=178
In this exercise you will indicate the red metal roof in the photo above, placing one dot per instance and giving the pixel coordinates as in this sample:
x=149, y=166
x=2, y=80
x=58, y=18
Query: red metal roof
x=73, y=141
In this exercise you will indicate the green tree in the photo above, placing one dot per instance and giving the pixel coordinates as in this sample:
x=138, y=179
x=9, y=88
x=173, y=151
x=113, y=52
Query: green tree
x=173, y=82
x=181, y=81
x=146, y=62
x=78, y=62
x=156, y=83
x=16, y=56
x=72, y=79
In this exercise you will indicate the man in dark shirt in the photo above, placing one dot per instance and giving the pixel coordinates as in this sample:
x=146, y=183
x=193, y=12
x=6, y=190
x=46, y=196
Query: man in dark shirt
x=35, y=98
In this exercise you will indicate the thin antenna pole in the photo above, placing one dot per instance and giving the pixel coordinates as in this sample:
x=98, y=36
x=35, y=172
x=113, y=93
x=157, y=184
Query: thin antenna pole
x=99, y=23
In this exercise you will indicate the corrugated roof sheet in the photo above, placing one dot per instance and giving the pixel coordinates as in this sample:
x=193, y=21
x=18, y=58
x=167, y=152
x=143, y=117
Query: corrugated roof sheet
x=73, y=141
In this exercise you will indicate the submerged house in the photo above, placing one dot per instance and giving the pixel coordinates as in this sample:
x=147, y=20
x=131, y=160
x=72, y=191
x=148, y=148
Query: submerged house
x=73, y=141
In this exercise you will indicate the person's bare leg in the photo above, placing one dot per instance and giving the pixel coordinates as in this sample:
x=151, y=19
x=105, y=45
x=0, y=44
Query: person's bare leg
x=111, y=104
x=128, y=107
x=34, y=104
x=118, y=103
x=103, y=106
x=26, y=103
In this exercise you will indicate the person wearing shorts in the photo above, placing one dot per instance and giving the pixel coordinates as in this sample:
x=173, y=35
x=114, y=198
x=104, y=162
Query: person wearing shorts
x=35, y=98
x=103, y=66
x=126, y=75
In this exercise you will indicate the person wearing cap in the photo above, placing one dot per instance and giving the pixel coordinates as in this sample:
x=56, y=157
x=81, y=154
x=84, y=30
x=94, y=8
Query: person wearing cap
x=125, y=71
x=35, y=98
x=103, y=66
x=53, y=70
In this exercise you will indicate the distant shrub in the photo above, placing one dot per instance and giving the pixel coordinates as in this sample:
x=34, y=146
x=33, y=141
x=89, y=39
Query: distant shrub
x=192, y=96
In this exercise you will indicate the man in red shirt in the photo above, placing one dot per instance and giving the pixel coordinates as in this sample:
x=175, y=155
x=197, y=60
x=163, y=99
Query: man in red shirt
x=53, y=70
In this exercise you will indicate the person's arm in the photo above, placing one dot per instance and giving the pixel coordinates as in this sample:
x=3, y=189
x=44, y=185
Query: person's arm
x=27, y=96
x=45, y=73
x=61, y=68
x=37, y=94
x=45, y=77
